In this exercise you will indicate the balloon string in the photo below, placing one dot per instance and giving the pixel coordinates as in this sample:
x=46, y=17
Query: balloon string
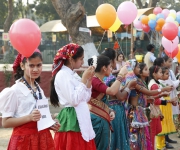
x=29, y=72
x=126, y=39
x=101, y=40
x=118, y=43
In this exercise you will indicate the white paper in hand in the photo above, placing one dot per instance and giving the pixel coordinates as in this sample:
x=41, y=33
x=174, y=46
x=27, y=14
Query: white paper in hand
x=46, y=120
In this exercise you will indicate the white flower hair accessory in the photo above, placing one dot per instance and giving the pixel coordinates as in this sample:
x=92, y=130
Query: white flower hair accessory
x=94, y=63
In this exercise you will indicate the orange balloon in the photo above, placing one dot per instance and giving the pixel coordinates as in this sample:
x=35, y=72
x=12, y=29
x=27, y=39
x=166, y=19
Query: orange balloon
x=106, y=15
x=145, y=20
x=161, y=22
x=158, y=28
x=178, y=55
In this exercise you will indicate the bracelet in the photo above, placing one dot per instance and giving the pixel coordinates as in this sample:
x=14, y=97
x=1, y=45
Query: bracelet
x=127, y=90
x=119, y=78
x=141, y=88
x=120, y=75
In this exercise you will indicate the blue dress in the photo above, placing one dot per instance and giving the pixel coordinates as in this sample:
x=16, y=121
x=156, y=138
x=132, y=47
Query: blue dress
x=119, y=138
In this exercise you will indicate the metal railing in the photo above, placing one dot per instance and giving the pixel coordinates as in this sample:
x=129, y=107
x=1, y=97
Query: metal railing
x=49, y=50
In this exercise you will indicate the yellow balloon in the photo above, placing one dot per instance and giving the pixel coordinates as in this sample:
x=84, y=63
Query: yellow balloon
x=116, y=25
x=172, y=15
x=152, y=17
x=176, y=23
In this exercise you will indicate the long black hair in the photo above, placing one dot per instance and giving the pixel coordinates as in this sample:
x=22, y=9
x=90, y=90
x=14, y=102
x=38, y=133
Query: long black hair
x=109, y=52
x=53, y=95
x=153, y=69
x=101, y=61
x=20, y=73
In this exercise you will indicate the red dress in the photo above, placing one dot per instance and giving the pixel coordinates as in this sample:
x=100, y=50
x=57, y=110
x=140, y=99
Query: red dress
x=27, y=137
x=155, y=124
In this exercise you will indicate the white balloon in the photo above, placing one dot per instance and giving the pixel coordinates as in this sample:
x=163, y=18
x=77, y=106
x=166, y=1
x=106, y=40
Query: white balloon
x=173, y=11
x=170, y=19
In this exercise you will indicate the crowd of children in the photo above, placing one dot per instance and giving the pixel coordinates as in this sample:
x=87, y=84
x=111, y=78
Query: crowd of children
x=114, y=105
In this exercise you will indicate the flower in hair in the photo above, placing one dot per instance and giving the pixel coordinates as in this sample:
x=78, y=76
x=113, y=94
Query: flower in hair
x=94, y=64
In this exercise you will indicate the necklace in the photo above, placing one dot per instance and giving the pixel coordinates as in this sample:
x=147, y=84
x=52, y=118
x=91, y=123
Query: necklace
x=144, y=83
x=98, y=78
x=32, y=91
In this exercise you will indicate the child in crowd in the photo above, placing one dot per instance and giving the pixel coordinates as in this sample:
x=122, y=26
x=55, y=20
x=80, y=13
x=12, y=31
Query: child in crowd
x=168, y=63
x=73, y=93
x=167, y=123
x=156, y=115
x=18, y=106
x=120, y=61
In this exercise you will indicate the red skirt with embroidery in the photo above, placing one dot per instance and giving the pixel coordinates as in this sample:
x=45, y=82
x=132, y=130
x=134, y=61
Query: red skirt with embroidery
x=72, y=141
x=27, y=137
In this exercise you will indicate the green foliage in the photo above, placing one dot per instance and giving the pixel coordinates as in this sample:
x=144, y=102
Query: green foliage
x=3, y=12
x=170, y=4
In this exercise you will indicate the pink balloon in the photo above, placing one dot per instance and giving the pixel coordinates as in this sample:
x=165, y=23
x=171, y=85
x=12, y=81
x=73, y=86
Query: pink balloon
x=127, y=12
x=168, y=45
x=137, y=24
x=178, y=13
x=157, y=10
x=165, y=12
x=173, y=53
x=25, y=36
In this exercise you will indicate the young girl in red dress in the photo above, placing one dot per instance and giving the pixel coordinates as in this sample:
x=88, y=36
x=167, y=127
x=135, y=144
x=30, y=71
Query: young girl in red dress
x=155, y=124
x=18, y=106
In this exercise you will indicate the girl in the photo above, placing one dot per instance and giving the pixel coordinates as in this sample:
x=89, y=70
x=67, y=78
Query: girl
x=175, y=109
x=167, y=123
x=155, y=124
x=101, y=114
x=138, y=100
x=120, y=61
x=159, y=62
x=18, y=103
x=119, y=138
x=73, y=93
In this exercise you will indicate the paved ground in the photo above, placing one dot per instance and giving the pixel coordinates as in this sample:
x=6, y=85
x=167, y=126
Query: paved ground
x=6, y=133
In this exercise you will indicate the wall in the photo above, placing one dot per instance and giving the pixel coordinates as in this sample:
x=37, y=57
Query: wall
x=45, y=82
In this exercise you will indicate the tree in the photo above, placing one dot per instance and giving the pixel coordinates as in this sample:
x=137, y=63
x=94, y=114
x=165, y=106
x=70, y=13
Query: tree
x=3, y=12
x=73, y=17
x=151, y=3
x=8, y=20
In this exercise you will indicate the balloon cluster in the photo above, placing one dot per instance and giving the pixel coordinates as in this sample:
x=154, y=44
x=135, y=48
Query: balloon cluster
x=166, y=22
x=109, y=19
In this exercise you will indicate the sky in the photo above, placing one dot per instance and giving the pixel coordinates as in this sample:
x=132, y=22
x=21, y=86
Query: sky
x=25, y=1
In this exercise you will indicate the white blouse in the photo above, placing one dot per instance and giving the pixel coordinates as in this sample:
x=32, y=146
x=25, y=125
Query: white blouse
x=69, y=89
x=73, y=93
x=17, y=101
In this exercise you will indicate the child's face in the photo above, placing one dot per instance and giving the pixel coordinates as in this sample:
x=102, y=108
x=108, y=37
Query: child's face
x=78, y=62
x=32, y=68
x=137, y=70
x=108, y=70
x=165, y=76
x=145, y=72
x=168, y=63
x=158, y=75
x=120, y=57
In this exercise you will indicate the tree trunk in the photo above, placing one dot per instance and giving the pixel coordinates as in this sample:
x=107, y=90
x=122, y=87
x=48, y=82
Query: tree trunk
x=8, y=22
x=73, y=16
